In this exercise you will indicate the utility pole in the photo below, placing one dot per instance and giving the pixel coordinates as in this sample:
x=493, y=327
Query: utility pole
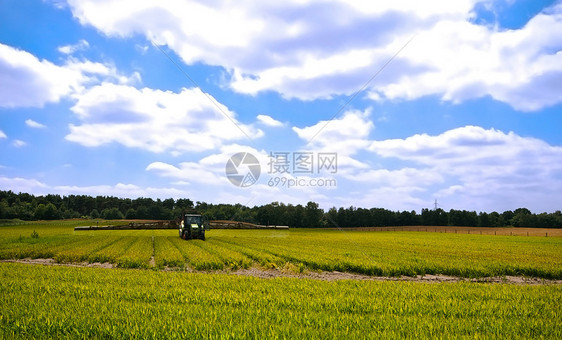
x=435, y=205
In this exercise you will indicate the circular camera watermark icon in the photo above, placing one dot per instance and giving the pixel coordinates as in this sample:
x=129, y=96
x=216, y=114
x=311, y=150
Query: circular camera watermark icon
x=243, y=169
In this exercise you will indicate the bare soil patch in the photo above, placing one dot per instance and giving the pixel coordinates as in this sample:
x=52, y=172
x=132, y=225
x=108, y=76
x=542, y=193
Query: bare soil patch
x=334, y=276
x=52, y=262
x=544, y=232
x=314, y=275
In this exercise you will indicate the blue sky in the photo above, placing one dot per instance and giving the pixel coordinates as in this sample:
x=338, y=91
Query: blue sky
x=151, y=99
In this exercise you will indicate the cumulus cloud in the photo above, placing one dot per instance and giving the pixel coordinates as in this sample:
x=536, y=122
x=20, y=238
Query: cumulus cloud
x=155, y=120
x=2, y=134
x=81, y=45
x=29, y=82
x=33, y=124
x=208, y=176
x=18, y=143
x=34, y=186
x=458, y=146
x=19, y=184
x=314, y=49
x=351, y=131
x=387, y=196
x=269, y=121
x=257, y=194
x=470, y=167
x=459, y=60
x=345, y=136
x=187, y=172
x=482, y=167
x=121, y=190
x=209, y=170
x=404, y=177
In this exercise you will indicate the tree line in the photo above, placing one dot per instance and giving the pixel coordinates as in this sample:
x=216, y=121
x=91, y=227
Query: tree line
x=51, y=207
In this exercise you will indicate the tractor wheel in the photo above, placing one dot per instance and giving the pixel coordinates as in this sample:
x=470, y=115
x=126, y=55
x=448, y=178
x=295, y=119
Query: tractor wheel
x=203, y=236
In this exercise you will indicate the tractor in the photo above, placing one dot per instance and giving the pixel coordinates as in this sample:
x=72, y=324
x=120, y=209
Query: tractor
x=192, y=227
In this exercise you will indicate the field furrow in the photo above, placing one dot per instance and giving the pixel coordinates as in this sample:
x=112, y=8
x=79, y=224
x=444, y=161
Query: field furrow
x=138, y=255
x=197, y=257
x=166, y=253
x=231, y=258
x=80, y=251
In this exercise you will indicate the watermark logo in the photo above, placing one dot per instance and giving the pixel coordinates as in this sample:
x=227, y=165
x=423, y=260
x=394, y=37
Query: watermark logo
x=286, y=169
x=303, y=163
x=243, y=169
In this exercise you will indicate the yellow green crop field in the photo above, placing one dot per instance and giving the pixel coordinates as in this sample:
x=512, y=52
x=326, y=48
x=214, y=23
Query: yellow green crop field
x=91, y=303
x=38, y=302
x=363, y=252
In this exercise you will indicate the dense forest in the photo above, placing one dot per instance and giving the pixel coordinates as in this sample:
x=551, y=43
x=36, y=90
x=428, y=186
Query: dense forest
x=51, y=207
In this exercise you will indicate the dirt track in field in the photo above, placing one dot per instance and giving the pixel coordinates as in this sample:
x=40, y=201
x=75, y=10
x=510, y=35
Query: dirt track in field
x=313, y=275
x=544, y=232
x=52, y=262
x=334, y=276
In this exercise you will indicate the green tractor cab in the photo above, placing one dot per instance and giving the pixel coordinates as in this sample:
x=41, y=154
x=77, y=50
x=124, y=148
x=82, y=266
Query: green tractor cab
x=192, y=226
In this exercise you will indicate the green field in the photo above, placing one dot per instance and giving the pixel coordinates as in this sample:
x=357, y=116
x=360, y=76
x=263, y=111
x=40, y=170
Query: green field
x=79, y=302
x=67, y=302
x=371, y=253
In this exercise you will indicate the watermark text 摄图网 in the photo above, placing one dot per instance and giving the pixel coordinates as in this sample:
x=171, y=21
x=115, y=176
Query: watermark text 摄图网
x=296, y=182
x=286, y=169
x=303, y=162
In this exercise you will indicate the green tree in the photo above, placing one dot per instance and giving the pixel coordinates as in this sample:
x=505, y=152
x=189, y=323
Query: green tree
x=46, y=212
x=294, y=216
x=112, y=214
x=4, y=209
x=94, y=214
x=131, y=214
x=312, y=215
x=142, y=212
x=69, y=213
x=169, y=203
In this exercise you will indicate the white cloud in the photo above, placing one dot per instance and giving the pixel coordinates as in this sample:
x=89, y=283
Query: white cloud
x=345, y=136
x=121, y=190
x=81, y=45
x=458, y=146
x=198, y=191
x=187, y=171
x=18, y=184
x=29, y=82
x=459, y=60
x=18, y=143
x=404, y=177
x=316, y=49
x=155, y=120
x=385, y=196
x=33, y=124
x=269, y=121
x=2, y=134
x=34, y=186
x=351, y=132
x=142, y=49
x=59, y=4
x=208, y=178
x=466, y=168
x=209, y=170
x=480, y=168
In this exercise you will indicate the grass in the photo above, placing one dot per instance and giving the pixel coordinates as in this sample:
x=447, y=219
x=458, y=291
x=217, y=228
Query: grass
x=364, y=252
x=38, y=302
